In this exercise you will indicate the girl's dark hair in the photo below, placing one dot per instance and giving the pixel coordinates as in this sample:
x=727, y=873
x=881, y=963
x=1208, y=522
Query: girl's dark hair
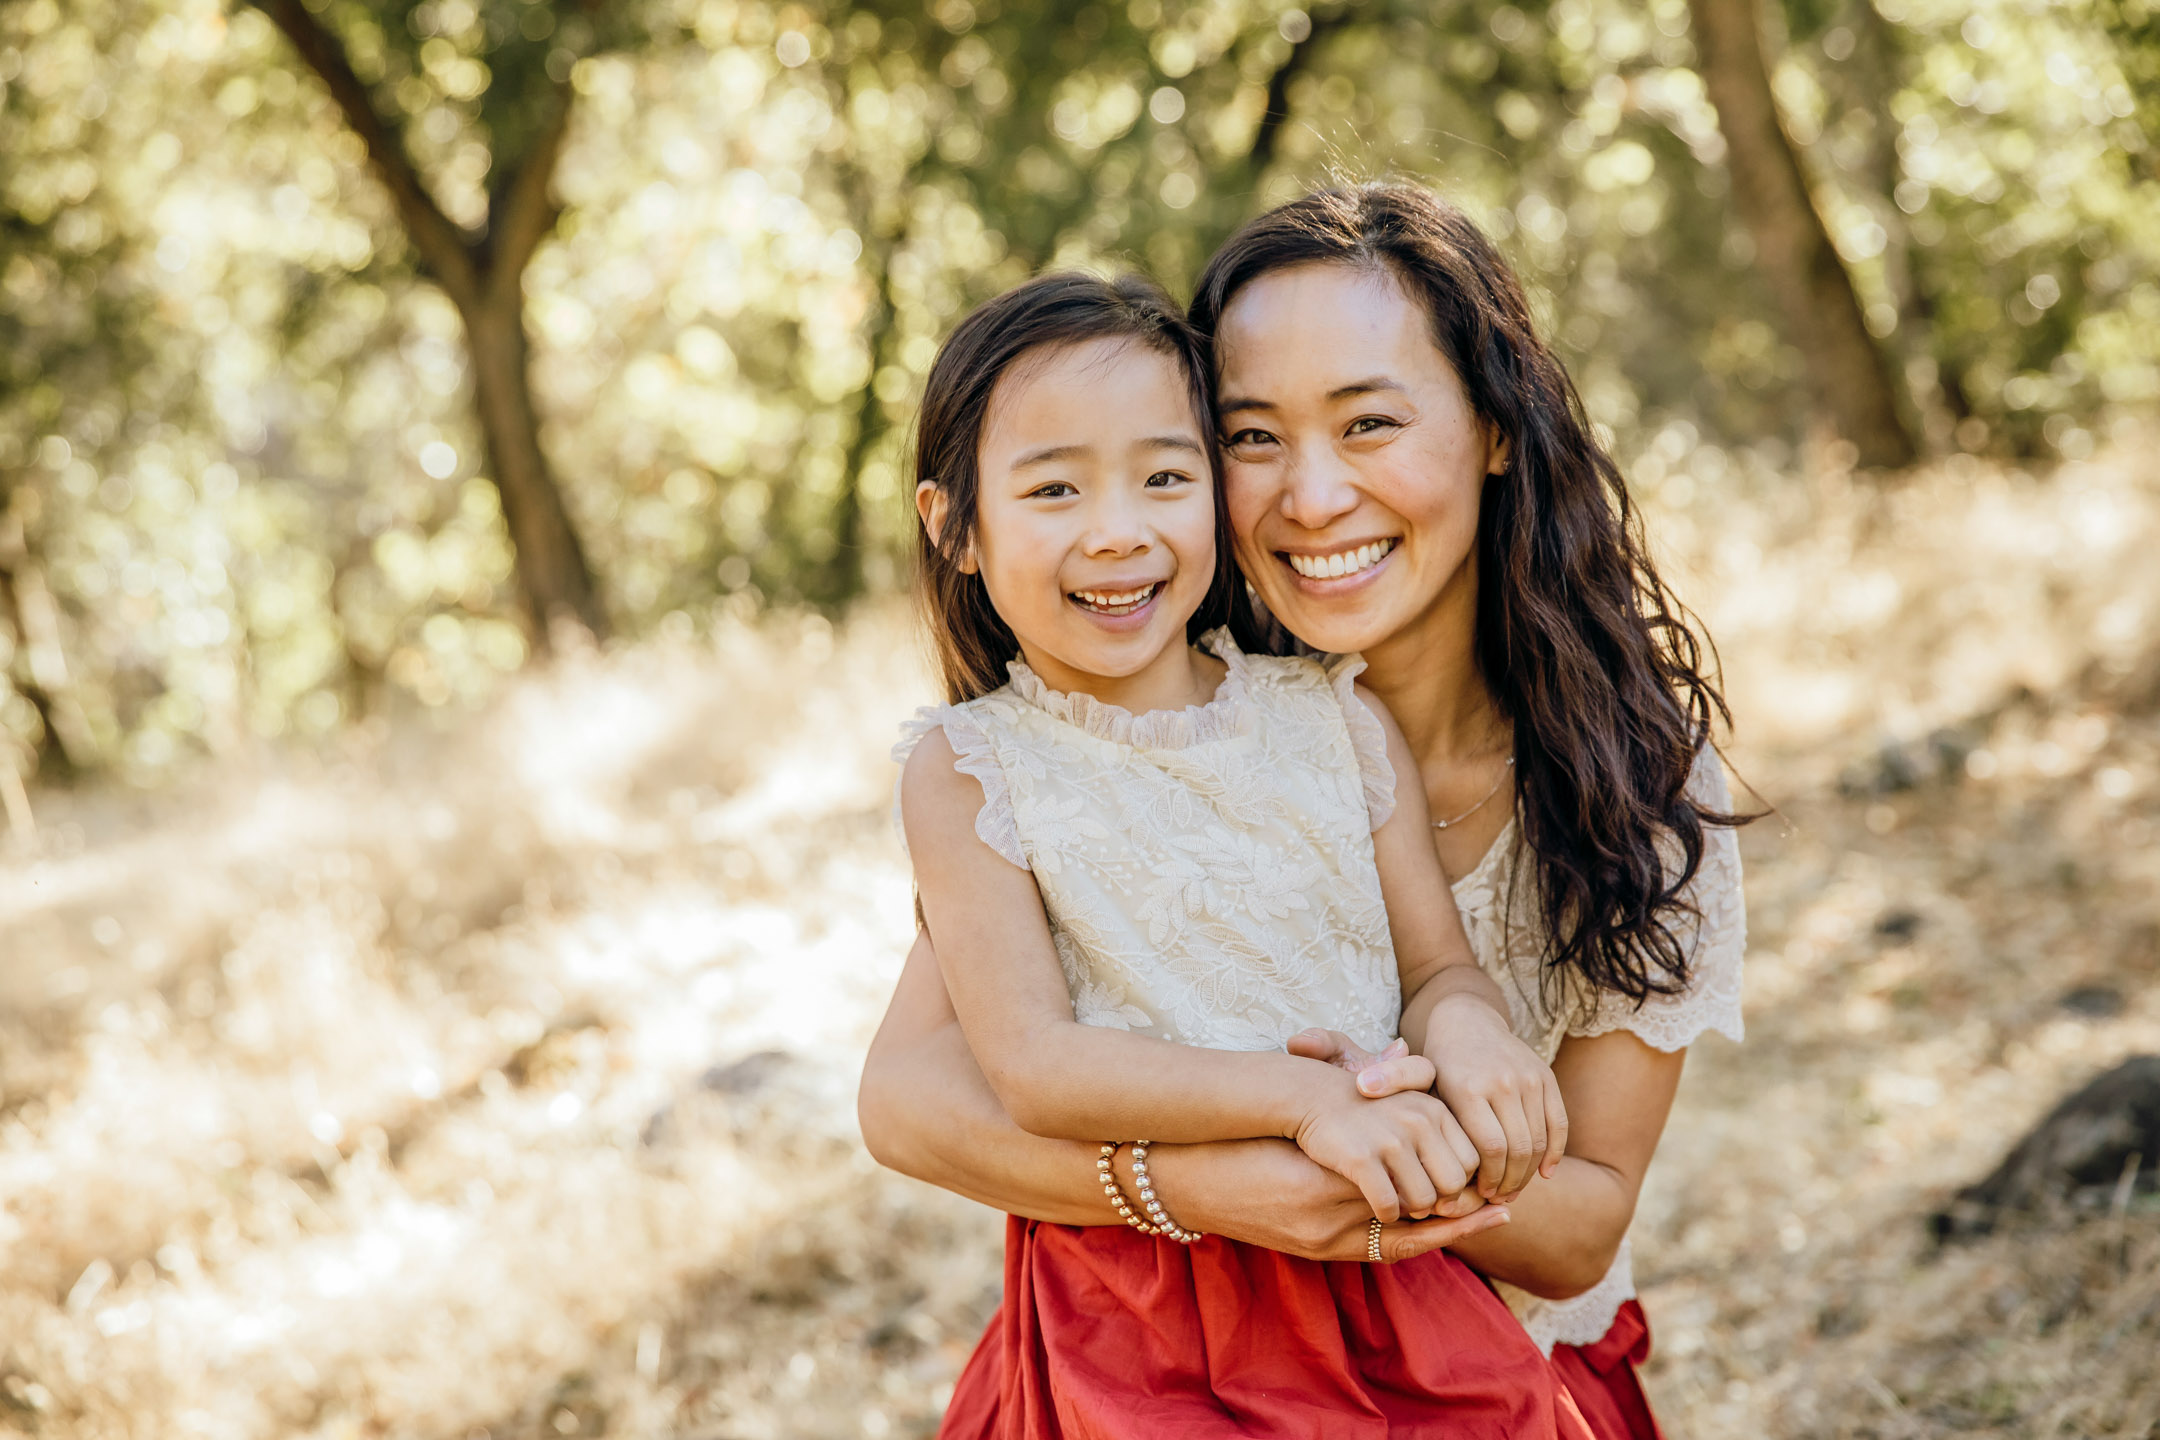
x=1591, y=657
x=973, y=644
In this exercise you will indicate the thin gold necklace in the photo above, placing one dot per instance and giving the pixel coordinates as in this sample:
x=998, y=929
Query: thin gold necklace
x=1443, y=824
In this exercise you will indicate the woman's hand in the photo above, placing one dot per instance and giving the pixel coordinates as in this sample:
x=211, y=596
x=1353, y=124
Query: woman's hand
x=1504, y=1096
x=1269, y=1193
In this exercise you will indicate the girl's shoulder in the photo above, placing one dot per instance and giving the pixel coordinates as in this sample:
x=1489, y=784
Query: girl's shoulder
x=1320, y=692
x=963, y=728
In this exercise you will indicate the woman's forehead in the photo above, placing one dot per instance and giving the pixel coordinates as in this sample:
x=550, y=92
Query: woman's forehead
x=1323, y=328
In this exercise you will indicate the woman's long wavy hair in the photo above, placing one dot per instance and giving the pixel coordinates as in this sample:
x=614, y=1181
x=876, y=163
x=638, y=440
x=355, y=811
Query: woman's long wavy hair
x=973, y=642
x=1593, y=661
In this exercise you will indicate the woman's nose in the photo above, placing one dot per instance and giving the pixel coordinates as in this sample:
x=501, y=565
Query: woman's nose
x=1321, y=490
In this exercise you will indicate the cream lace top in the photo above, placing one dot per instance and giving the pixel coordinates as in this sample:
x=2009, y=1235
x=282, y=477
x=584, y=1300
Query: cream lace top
x=1209, y=878
x=1208, y=872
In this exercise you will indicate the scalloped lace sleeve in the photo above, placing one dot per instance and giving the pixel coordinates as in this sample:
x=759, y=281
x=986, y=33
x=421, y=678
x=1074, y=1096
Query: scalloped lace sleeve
x=972, y=755
x=1367, y=739
x=1715, y=942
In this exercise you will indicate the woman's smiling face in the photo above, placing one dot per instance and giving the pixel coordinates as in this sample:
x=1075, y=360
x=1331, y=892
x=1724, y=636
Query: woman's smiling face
x=1354, y=460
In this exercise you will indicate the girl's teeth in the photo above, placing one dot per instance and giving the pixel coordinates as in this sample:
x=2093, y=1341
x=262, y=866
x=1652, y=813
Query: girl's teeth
x=1114, y=599
x=1347, y=562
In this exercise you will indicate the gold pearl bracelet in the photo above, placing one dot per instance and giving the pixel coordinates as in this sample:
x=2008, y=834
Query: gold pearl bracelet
x=1117, y=1196
x=1155, y=1212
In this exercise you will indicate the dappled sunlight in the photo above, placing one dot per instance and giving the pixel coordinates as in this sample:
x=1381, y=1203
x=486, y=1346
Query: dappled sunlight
x=498, y=1075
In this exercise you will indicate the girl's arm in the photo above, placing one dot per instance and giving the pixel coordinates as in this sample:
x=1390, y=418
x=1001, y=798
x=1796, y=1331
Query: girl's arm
x=1504, y=1097
x=927, y=1112
x=1064, y=1080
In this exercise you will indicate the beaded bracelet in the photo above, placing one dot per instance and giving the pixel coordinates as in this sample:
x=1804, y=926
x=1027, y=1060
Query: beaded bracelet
x=1117, y=1196
x=1163, y=1225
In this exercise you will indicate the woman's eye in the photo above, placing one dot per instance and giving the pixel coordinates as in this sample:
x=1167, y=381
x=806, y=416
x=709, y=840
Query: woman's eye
x=1366, y=424
x=1245, y=438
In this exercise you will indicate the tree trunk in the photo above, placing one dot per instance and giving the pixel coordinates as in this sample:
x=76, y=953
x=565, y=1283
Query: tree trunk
x=483, y=276
x=1851, y=383
x=843, y=577
x=37, y=623
x=555, y=582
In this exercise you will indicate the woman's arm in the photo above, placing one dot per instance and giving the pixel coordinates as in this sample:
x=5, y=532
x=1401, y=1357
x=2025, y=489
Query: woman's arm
x=927, y=1112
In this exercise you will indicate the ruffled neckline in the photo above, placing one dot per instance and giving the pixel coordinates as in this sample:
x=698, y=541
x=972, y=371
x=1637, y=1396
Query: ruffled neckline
x=1218, y=719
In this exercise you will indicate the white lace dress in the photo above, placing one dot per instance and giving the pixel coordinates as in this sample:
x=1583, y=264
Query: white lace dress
x=1508, y=935
x=1209, y=879
x=1208, y=872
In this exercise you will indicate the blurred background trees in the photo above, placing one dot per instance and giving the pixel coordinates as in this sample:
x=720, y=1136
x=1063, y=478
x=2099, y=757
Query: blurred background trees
x=344, y=345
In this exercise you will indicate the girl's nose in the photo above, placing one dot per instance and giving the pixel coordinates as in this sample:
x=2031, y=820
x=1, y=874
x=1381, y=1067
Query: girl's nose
x=1117, y=527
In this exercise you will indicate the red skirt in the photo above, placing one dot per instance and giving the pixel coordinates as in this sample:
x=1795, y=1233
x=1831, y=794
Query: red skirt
x=1107, y=1334
x=1603, y=1382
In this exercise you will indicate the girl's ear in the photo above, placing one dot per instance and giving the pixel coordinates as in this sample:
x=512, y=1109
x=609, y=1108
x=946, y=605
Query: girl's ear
x=930, y=505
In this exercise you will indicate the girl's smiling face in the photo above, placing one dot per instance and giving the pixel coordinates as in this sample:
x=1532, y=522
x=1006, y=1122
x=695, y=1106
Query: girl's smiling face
x=1095, y=518
x=1354, y=461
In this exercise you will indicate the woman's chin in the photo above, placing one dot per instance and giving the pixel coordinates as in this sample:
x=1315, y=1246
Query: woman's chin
x=1337, y=625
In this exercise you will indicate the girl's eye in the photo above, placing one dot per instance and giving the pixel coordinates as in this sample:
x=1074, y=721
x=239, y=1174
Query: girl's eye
x=1054, y=490
x=1366, y=424
x=1164, y=479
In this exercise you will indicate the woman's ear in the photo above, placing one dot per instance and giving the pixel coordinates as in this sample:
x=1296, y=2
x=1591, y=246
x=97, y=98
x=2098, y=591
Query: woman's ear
x=930, y=505
x=1498, y=451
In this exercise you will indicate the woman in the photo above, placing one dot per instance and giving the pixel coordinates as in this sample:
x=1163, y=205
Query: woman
x=1409, y=475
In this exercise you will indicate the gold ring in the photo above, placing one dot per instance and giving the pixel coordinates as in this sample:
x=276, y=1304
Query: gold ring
x=1372, y=1243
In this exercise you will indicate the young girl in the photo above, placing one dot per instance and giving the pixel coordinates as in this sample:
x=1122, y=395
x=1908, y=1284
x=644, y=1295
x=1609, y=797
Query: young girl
x=1197, y=846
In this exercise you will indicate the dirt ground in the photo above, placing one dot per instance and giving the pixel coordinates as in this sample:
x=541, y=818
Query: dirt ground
x=493, y=1076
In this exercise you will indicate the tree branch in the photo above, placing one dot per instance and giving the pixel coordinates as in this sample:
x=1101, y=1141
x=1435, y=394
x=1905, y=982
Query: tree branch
x=445, y=251
x=1261, y=154
x=520, y=209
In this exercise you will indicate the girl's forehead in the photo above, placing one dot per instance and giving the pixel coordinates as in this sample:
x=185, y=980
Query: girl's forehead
x=1095, y=393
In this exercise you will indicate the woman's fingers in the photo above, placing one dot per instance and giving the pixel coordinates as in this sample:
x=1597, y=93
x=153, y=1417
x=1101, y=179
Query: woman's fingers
x=1556, y=1127
x=1396, y=1075
x=1420, y=1237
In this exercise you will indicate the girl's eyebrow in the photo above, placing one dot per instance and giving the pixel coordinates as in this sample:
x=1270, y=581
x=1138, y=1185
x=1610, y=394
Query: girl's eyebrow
x=1049, y=453
x=1052, y=452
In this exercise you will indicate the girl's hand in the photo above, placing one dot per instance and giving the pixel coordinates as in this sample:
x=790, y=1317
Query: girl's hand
x=1405, y=1153
x=1275, y=1197
x=1504, y=1097
x=1393, y=1071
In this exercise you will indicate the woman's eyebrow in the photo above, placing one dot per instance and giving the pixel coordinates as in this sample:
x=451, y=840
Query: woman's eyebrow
x=1367, y=387
x=1370, y=385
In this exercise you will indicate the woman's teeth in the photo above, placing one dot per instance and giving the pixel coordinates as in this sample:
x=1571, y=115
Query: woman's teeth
x=1116, y=602
x=1348, y=562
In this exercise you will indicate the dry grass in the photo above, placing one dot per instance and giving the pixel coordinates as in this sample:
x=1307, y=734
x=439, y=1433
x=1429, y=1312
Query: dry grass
x=497, y=1077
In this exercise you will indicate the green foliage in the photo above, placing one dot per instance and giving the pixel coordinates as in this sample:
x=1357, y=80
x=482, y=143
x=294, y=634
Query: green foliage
x=236, y=422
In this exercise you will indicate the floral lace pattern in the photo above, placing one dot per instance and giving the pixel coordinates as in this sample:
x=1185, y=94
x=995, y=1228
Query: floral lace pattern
x=1208, y=872
x=1508, y=935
